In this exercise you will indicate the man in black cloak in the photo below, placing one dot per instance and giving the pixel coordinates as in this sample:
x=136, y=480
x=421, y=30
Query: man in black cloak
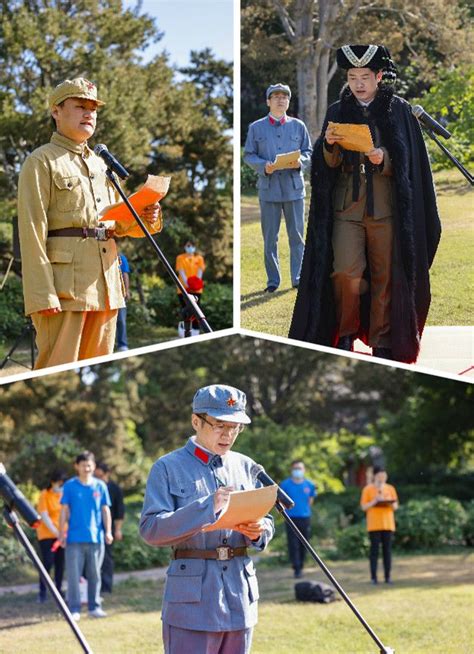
x=373, y=226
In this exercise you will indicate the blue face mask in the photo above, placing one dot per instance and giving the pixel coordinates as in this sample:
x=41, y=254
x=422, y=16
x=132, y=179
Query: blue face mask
x=190, y=249
x=297, y=473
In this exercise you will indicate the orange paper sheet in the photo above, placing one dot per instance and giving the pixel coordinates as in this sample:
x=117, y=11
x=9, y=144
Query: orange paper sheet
x=355, y=137
x=283, y=160
x=153, y=190
x=246, y=506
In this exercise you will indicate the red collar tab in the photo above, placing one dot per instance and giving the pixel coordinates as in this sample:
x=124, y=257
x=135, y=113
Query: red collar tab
x=272, y=120
x=201, y=455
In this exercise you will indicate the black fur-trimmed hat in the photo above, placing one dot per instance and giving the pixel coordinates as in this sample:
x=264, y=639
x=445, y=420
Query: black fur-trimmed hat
x=375, y=57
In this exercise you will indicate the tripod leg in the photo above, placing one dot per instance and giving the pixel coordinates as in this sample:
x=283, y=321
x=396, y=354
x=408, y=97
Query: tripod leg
x=12, y=521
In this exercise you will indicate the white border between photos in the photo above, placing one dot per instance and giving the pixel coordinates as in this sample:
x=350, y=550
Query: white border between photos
x=236, y=161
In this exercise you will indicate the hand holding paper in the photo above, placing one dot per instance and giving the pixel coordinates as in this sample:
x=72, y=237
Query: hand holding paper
x=244, y=507
x=350, y=136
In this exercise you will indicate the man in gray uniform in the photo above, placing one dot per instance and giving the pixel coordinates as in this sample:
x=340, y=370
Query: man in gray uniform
x=211, y=592
x=279, y=190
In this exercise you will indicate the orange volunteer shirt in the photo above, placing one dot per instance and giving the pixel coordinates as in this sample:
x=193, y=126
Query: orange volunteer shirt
x=49, y=501
x=190, y=263
x=381, y=518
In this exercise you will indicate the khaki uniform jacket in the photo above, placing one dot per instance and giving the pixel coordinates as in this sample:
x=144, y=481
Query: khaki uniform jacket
x=344, y=206
x=63, y=184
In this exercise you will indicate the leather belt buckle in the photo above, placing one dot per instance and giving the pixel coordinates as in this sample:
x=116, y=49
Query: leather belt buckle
x=362, y=169
x=224, y=553
x=102, y=233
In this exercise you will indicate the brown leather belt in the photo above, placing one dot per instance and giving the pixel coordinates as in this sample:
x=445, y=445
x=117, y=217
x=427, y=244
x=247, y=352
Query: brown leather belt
x=99, y=233
x=223, y=553
x=350, y=169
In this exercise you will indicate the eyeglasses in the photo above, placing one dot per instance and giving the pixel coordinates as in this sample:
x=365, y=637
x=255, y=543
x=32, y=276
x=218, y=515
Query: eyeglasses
x=219, y=427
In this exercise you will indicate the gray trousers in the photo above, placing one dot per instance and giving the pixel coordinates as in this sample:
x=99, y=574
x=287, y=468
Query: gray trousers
x=270, y=213
x=182, y=641
x=78, y=557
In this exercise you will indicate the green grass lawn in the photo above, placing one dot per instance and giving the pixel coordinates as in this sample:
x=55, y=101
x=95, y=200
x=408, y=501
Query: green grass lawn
x=428, y=610
x=451, y=274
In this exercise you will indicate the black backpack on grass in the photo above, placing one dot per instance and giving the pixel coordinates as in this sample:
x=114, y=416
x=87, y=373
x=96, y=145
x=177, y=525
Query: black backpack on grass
x=308, y=591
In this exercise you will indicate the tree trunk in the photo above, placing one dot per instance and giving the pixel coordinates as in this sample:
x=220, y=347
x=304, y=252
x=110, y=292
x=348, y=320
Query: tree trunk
x=305, y=50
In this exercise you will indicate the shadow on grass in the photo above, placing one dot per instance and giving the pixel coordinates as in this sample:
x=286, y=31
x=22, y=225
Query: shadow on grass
x=260, y=297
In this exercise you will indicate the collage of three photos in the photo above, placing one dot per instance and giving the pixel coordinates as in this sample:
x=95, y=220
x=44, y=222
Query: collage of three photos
x=221, y=434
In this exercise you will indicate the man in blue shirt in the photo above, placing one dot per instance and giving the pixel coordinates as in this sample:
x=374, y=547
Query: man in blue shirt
x=121, y=335
x=279, y=190
x=211, y=592
x=302, y=491
x=85, y=509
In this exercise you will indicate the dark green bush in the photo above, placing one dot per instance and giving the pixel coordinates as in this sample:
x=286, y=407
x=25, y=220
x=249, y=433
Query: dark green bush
x=352, y=542
x=217, y=305
x=12, y=317
x=429, y=523
x=132, y=553
x=468, y=527
x=248, y=177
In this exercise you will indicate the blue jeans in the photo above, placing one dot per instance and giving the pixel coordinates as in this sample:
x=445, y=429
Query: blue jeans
x=78, y=557
x=121, y=334
x=270, y=214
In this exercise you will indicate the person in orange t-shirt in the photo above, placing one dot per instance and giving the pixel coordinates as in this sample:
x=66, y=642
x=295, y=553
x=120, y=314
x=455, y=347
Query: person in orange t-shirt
x=190, y=267
x=49, y=508
x=379, y=500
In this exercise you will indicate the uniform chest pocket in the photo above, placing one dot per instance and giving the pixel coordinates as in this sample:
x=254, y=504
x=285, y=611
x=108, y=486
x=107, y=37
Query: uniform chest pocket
x=68, y=192
x=184, y=581
x=295, y=142
x=185, y=492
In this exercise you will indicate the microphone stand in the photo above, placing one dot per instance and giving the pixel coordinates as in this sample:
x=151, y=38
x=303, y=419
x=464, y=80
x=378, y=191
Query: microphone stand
x=13, y=522
x=456, y=162
x=281, y=509
x=191, y=304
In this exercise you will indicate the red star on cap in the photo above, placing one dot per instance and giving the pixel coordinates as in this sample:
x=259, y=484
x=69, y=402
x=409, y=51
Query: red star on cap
x=231, y=401
x=90, y=85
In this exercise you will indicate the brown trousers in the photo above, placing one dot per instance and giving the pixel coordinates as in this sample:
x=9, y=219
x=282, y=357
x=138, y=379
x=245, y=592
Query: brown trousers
x=355, y=241
x=73, y=335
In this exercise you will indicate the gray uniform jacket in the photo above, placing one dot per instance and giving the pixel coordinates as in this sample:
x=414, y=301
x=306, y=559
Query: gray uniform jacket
x=264, y=141
x=206, y=595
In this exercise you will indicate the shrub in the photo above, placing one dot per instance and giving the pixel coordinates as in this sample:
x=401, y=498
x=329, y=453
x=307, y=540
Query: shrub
x=248, y=177
x=429, y=523
x=216, y=304
x=468, y=527
x=12, y=318
x=352, y=542
x=132, y=553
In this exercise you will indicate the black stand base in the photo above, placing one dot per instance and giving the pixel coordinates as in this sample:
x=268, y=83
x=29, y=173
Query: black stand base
x=190, y=301
x=27, y=330
x=13, y=522
x=382, y=648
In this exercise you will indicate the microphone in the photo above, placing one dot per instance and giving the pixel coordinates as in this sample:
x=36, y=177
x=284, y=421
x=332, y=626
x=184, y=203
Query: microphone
x=15, y=499
x=258, y=472
x=429, y=122
x=112, y=163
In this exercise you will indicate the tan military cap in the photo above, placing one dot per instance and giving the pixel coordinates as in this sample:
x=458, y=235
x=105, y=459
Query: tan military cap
x=74, y=88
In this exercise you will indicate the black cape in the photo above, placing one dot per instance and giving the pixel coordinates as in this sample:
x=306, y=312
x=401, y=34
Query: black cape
x=417, y=231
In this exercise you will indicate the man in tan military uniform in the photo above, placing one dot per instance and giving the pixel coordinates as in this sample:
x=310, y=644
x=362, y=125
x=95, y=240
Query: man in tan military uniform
x=71, y=278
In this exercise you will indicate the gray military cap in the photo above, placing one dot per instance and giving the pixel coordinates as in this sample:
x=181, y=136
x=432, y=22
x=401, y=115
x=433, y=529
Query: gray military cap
x=222, y=402
x=283, y=88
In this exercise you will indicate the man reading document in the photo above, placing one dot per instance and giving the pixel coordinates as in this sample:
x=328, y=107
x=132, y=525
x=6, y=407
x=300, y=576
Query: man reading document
x=280, y=183
x=71, y=279
x=211, y=592
x=373, y=227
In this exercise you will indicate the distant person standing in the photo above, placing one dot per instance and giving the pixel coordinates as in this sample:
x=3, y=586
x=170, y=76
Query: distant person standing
x=117, y=510
x=379, y=500
x=190, y=267
x=121, y=335
x=302, y=491
x=49, y=507
x=279, y=190
x=85, y=507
